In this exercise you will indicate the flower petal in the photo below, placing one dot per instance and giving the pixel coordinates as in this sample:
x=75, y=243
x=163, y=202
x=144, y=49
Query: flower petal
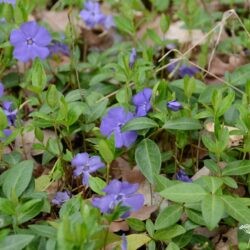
x=80, y=159
x=113, y=187
x=42, y=37
x=17, y=37
x=29, y=29
x=135, y=202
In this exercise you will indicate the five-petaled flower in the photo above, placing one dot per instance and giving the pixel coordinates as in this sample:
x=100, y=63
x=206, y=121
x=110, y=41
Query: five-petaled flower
x=9, y=112
x=30, y=41
x=85, y=165
x=112, y=124
x=93, y=16
x=119, y=193
x=142, y=102
x=60, y=198
x=174, y=105
x=182, y=176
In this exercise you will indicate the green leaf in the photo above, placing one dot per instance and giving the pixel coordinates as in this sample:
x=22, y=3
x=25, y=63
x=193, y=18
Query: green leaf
x=97, y=184
x=183, y=123
x=38, y=76
x=235, y=208
x=195, y=216
x=154, y=36
x=3, y=120
x=139, y=123
x=75, y=95
x=172, y=246
x=168, y=217
x=16, y=242
x=106, y=150
x=44, y=230
x=184, y=192
x=169, y=233
x=148, y=158
x=125, y=24
x=29, y=210
x=213, y=183
x=212, y=210
x=240, y=167
x=6, y=206
x=136, y=224
x=53, y=96
x=17, y=179
x=230, y=182
x=135, y=241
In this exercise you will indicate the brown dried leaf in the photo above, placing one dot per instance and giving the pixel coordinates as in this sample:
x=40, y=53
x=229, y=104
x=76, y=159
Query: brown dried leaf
x=144, y=213
x=117, y=226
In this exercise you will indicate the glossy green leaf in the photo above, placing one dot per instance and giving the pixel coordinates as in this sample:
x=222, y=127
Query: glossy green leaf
x=235, y=208
x=139, y=123
x=183, y=123
x=97, y=184
x=184, y=192
x=16, y=242
x=240, y=167
x=17, y=179
x=169, y=233
x=212, y=210
x=148, y=158
x=136, y=224
x=168, y=217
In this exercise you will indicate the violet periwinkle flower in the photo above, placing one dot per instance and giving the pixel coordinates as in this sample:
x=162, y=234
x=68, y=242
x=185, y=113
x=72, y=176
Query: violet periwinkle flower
x=1, y=89
x=124, y=245
x=119, y=193
x=85, y=165
x=132, y=57
x=8, y=1
x=182, y=176
x=188, y=70
x=30, y=41
x=174, y=105
x=182, y=69
x=9, y=112
x=57, y=47
x=142, y=102
x=60, y=198
x=112, y=125
x=93, y=16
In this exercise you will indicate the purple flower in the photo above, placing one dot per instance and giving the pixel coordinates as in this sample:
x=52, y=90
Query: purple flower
x=30, y=41
x=124, y=245
x=132, y=57
x=183, y=69
x=93, y=16
x=119, y=193
x=60, y=198
x=9, y=112
x=6, y=132
x=112, y=124
x=142, y=102
x=1, y=89
x=57, y=47
x=187, y=70
x=182, y=176
x=84, y=165
x=174, y=105
x=8, y=1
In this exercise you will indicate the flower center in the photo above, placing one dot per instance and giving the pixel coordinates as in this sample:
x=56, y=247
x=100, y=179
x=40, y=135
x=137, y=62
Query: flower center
x=85, y=167
x=29, y=41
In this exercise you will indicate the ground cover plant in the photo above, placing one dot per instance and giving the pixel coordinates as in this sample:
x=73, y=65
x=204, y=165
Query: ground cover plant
x=124, y=124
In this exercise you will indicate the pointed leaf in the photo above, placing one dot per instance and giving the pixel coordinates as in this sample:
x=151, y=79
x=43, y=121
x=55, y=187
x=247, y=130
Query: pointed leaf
x=148, y=159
